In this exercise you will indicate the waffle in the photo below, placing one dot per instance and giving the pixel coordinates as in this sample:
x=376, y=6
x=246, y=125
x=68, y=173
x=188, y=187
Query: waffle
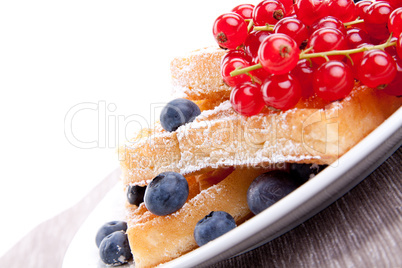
x=197, y=77
x=221, y=152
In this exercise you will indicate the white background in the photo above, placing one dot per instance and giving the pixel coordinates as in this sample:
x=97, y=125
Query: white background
x=68, y=71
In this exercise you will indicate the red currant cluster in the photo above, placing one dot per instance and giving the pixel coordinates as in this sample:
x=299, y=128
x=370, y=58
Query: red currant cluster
x=280, y=51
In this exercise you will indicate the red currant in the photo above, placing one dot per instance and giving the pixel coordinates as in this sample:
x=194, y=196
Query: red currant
x=356, y=36
x=246, y=99
x=356, y=58
x=377, y=32
x=268, y=12
x=328, y=22
x=278, y=53
x=281, y=92
x=289, y=6
x=244, y=10
x=253, y=42
x=395, y=87
x=395, y=22
x=376, y=69
x=362, y=6
x=230, y=30
x=292, y=27
x=304, y=71
x=260, y=73
x=377, y=13
x=230, y=54
x=333, y=80
x=344, y=10
x=231, y=64
x=399, y=46
x=325, y=39
x=395, y=3
x=309, y=11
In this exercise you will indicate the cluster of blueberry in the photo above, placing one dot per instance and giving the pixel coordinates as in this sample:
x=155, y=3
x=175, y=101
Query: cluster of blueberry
x=165, y=194
x=168, y=192
x=112, y=242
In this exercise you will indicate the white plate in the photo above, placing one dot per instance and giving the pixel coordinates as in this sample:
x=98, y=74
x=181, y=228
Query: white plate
x=301, y=204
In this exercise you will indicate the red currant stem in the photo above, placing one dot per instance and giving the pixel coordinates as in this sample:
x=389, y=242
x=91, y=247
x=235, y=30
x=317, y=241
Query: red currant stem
x=311, y=62
x=246, y=69
x=254, y=79
x=273, y=109
x=267, y=27
x=304, y=55
x=350, y=58
x=250, y=25
x=307, y=49
x=389, y=38
x=347, y=52
x=357, y=21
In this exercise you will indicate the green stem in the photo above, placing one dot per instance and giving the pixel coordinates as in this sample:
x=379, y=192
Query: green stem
x=246, y=69
x=270, y=28
x=308, y=56
x=267, y=27
x=250, y=25
x=346, y=24
x=345, y=52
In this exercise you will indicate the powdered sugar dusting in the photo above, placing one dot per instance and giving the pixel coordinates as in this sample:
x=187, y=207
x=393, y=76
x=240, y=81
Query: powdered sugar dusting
x=220, y=137
x=197, y=75
x=179, y=92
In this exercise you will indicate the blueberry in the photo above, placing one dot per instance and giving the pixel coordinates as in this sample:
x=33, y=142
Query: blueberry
x=115, y=249
x=304, y=172
x=109, y=228
x=268, y=188
x=166, y=193
x=177, y=113
x=212, y=226
x=135, y=194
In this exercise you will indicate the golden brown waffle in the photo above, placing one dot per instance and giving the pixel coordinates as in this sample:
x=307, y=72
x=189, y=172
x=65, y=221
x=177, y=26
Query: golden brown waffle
x=196, y=76
x=221, y=137
x=221, y=152
x=157, y=239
